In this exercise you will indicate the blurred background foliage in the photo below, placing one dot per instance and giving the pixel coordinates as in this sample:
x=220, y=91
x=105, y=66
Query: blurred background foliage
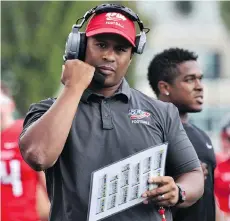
x=225, y=9
x=33, y=41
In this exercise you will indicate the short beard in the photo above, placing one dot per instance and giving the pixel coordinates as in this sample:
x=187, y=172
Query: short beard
x=185, y=109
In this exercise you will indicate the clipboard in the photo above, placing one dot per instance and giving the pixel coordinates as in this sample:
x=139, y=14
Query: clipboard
x=119, y=186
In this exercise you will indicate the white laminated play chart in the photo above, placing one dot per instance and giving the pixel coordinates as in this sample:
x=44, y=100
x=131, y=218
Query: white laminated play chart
x=119, y=186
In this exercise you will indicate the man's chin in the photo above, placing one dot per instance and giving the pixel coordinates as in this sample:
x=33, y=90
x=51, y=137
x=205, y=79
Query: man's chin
x=190, y=109
x=111, y=83
x=195, y=109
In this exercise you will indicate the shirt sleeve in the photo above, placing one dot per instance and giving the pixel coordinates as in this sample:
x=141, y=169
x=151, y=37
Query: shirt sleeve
x=181, y=157
x=35, y=112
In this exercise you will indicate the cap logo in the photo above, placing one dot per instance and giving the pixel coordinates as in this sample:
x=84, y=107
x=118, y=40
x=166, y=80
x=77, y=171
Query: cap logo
x=113, y=16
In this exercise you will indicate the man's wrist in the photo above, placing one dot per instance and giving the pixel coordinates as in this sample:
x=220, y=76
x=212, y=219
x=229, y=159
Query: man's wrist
x=181, y=195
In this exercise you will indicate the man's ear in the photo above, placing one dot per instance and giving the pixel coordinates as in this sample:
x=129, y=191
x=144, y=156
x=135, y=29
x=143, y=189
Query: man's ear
x=163, y=87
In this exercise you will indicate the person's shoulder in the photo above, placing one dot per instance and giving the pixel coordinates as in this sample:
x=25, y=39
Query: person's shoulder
x=224, y=165
x=49, y=100
x=43, y=104
x=220, y=157
x=149, y=100
x=160, y=110
x=200, y=130
x=18, y=124
x=16, y=127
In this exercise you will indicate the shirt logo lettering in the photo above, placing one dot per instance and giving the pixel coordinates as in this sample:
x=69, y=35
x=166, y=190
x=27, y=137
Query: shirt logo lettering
x=138, y=116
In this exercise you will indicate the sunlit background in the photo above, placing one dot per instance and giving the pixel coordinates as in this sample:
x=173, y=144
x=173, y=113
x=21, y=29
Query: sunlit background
x=34, y=34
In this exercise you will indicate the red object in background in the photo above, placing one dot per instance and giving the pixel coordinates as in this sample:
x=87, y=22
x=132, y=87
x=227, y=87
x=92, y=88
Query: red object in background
x=220, y=157
x=222, y=185
x=18, y=180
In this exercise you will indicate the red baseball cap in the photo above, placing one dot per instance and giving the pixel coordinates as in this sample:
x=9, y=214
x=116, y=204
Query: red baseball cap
x=112, y=22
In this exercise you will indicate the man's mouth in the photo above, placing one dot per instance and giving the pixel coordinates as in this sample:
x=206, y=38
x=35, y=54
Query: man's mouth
x=199, y=99
x=107, y=70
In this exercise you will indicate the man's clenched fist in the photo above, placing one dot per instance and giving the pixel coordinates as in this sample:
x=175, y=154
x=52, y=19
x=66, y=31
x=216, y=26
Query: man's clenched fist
x=77, y=73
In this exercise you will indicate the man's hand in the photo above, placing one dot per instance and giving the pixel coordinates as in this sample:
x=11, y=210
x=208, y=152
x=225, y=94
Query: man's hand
x=204, y=167
x=166, y=194
x=76, y=72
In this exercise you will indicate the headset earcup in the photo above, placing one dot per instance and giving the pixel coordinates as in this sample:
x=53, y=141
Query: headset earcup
x=82, y=46
x=137, y=40
x=72, y=44
x=140, y=42
x=65, y=56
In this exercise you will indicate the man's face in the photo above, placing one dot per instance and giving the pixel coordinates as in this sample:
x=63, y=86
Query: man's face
x=186, y=92
x=111, y=54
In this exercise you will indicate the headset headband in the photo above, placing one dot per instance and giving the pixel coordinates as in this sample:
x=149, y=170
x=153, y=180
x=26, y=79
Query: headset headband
x=76, y=41
x=112, y=8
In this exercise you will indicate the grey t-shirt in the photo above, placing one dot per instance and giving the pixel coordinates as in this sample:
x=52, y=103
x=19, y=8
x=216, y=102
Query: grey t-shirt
x=106, y=130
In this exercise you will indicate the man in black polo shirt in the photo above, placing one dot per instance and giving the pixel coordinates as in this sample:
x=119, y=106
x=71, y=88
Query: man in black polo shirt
x=175, y=77
x=89, y=126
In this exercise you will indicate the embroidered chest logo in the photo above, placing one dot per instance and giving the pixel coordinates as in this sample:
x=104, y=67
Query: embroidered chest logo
x=138, y=116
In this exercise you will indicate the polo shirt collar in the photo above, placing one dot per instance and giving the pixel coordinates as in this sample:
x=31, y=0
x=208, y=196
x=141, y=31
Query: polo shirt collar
x=123, y=93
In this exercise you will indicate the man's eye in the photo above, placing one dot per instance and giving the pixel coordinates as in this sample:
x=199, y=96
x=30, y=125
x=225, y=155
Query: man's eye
x=190, y=80
x=101, y=45
x=122, y=49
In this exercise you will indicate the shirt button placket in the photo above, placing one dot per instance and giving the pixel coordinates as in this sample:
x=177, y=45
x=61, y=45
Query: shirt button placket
x=107, y=123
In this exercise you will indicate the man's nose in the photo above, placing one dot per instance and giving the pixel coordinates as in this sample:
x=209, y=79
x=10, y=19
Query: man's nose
x=199, y=85
x=109, y=55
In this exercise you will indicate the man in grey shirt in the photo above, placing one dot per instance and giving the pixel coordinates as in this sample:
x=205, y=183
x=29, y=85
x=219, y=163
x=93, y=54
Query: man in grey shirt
x=91, y=125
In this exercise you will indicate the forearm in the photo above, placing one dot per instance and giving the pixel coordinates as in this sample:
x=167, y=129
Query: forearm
x=44, y=140
x=42, y=204
x=193, y=184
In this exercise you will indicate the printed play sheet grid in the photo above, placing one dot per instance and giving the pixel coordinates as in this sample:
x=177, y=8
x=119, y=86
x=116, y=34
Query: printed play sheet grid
x=120, y=185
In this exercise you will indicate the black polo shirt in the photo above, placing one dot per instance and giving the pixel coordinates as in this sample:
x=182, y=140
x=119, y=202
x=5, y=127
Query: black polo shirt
x=204, y=208
x=106, y=130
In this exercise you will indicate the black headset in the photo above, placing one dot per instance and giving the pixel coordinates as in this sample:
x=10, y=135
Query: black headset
x=76, y=41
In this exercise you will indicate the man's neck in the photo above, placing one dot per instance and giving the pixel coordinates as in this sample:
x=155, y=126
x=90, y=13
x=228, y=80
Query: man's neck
x=184, y=117
x=107, y=92
x=6, y=122
x=163, y=98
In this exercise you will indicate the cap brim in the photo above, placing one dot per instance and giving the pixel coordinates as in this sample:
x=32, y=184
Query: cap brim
x=109, y=30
